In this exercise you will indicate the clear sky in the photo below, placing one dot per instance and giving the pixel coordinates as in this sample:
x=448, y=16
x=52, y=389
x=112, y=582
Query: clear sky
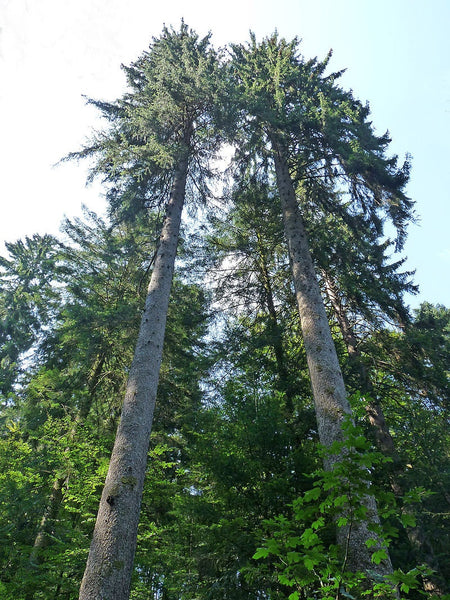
x=396, y=53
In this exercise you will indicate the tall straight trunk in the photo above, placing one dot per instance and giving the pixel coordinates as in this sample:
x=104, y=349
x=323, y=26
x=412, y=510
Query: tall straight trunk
x=374, y=410
x=417, y=537
x=330, y=398
x=327, y=383
x=110, y=562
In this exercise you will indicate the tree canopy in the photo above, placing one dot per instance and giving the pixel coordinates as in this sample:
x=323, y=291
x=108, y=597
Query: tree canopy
x=270, y=417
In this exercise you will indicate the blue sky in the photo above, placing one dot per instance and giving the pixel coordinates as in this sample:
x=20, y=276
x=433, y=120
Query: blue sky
x=396, y=53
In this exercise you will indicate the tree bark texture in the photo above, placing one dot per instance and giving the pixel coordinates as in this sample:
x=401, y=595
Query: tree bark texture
x=419, y=541
x=330, y=398
x=327, y=383
x=373, y=408
x=110, y=562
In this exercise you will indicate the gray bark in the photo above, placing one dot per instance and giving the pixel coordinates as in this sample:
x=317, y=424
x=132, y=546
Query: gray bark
x=374, y=410
x=329, y=393
x=110, y=562
x=330, y=398
x=418, y=539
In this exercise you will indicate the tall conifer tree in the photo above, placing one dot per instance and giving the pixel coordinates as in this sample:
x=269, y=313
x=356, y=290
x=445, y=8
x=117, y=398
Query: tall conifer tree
x=160, y=132
x=315, y=131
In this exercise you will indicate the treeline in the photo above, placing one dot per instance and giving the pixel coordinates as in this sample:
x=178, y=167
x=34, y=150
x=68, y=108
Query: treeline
x=298, y=411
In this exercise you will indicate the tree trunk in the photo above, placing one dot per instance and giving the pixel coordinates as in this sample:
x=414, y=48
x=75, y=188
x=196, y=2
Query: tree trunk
x=373, y=408
x=330, y=398
x=419, y=541
x=110, y=562
x=329, y=393
x=51, y=512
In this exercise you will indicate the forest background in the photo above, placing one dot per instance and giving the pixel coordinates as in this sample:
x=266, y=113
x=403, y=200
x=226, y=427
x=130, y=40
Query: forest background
x=235, y=439
x=51, y=53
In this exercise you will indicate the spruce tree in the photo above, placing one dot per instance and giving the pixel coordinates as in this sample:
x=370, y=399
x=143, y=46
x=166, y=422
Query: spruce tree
x=316, y=131
x=159, y=136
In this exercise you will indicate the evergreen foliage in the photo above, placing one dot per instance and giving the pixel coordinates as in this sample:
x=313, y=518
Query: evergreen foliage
x=237, y=502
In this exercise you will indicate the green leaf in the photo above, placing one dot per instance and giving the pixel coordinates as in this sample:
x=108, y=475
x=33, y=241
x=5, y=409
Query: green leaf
x=285, y=580
x=340, y=501
x=309, y=563
x=293, y=557
x=320, y=522
x=311, y=495
x=408, y=520
x=309, y=538
x=292, y=542
x=378, y=556
x=261, y=553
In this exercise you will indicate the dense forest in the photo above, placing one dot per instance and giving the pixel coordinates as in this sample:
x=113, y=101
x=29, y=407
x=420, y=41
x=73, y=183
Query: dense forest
x=234, y=401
